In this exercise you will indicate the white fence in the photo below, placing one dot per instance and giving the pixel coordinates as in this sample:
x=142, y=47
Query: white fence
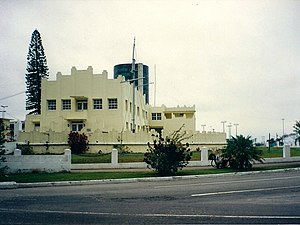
x=204, y=161
x=19, y=163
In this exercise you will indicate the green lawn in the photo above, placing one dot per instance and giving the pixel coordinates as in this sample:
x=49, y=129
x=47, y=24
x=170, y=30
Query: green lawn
x=52, y=177
x=123, y=158
x=274, y=152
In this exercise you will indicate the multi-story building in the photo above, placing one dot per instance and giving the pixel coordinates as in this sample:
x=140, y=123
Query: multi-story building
x=141, y=74
x=88, y=102
x=108, y=111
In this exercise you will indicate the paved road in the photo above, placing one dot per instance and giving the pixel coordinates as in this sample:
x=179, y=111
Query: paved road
x=271, y=198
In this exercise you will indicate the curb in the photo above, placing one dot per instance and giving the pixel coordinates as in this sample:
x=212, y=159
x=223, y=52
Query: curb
x=14, y=185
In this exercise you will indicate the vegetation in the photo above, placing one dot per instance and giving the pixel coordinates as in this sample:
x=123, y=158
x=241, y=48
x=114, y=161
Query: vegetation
x=52, y=177
x=2, y=150
x=25, y=149
x=240, y=152
x=166, y=156
x=297, y=131
x=78, y=142
x=36, y=71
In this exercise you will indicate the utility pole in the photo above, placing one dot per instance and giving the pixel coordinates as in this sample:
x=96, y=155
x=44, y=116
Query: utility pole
x=133, y=87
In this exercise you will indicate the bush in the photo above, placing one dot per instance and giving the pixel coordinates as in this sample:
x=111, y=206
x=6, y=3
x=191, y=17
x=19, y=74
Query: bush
x=2, y=149
x=240, y=152
x=166, y=156
x=25, y=149
x=78, y=142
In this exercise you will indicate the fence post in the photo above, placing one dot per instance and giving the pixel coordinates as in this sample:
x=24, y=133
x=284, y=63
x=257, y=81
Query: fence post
x=286, y=151
x=204, y=155
x=114, y=157
x=17, y=152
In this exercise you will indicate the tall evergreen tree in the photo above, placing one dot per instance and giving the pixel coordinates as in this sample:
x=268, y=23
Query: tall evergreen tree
x=37, y=69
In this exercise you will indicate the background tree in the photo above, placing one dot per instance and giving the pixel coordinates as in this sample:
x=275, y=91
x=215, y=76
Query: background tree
x=36, y=70
x=166, y=156
x=78, y=142
x=2, y=149
x=297, y=131
x=241, y=153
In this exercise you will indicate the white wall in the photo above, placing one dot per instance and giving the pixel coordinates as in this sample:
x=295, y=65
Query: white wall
x=18, y=163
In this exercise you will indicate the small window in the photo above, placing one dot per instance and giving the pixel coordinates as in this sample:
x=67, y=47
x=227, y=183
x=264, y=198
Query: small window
x=51, y=105
x=112, y=103
x=97, y=103
x=168, y=115
x=82, y=105
x=75, y=127
x=66, y=104
x=156, y=116
x=178, y=114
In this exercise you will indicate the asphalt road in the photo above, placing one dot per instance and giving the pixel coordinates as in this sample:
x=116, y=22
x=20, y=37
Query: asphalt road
x=269, y=198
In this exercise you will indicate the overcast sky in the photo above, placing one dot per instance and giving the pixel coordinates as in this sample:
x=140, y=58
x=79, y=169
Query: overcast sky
x=236, y=61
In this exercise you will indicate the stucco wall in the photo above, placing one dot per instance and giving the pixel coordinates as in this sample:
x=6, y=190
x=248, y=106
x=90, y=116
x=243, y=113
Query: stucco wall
x=18, y=163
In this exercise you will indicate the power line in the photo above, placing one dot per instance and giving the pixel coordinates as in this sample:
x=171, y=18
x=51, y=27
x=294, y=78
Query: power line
x=10, y=96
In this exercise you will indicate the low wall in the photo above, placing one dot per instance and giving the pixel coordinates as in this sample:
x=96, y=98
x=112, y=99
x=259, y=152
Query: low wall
x=18, y=163
x=204, y=161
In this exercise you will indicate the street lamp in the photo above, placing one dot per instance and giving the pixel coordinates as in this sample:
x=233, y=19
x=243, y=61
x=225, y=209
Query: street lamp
x=229, y=131
x=203, y=126
x=223, y=125
x=282, y=129
x=236, y=125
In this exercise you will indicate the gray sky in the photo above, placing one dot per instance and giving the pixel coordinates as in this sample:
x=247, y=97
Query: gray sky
x=235, y=60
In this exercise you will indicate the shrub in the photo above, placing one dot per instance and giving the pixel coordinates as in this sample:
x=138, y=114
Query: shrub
x=240, y=152
x=25, y=149
x=166, y=156
x=78, y=142
x=2, y=149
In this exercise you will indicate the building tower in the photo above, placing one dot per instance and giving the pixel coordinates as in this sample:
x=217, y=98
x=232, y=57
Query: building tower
x=141, y=70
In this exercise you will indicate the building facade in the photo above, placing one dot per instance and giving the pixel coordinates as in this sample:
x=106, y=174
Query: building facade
x=87, y=102
x=108, y=111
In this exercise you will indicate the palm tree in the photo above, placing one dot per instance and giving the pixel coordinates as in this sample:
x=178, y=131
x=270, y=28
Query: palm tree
x=297, y=131
x=241, y=153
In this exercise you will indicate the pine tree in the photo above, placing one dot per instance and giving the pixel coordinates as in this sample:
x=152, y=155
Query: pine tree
x=37, y=69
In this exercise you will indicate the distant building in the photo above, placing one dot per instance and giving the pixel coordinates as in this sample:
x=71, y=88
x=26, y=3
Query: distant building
x=141, y=71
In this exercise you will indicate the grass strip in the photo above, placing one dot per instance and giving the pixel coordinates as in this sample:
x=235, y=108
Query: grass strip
x=78, y=176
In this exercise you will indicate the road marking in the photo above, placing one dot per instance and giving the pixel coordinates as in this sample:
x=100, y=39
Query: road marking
x=149, y=214
x=226, y=182
x=243, y=191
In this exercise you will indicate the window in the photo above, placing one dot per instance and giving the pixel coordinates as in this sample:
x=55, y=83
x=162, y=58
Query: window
x=97, y=103
x=51, y=104
x=75, y=127
x=112, y=103
x=66, y=104
x=82, y=105
x=37, y=126
x=126, y=105
x=168, y=115
x=156, y=116
x=178, y=114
